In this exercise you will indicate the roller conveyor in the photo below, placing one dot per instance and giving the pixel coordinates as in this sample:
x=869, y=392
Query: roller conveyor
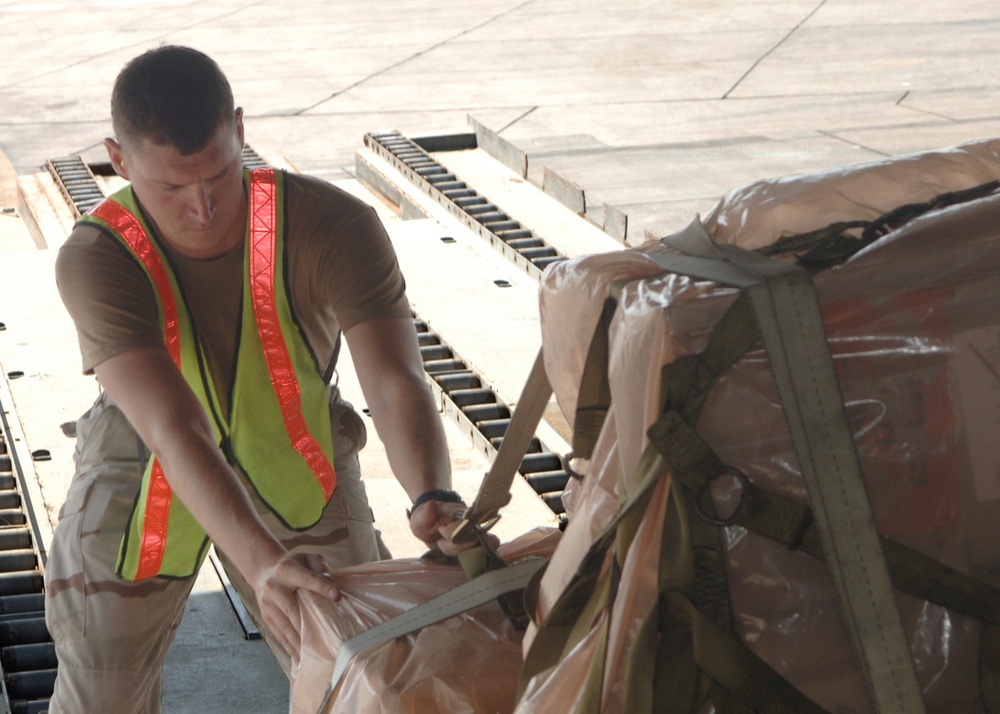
x=27, y=655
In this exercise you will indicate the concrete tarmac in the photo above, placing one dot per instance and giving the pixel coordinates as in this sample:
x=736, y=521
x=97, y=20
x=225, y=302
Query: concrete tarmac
x=639, y=113
x=653, y=108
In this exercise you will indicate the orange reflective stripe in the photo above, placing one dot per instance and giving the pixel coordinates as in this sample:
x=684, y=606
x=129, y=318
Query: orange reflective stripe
x=154, y=524
x=132, y=232
x=263, y=225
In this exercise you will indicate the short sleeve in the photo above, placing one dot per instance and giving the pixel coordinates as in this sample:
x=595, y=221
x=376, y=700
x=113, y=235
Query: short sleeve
x=353, y=266
x=107, y=295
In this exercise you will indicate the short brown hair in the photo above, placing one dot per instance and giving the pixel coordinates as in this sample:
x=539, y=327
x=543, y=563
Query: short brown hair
x=171, y=95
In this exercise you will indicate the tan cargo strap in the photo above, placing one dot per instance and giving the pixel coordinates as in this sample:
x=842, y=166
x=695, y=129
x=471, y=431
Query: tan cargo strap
x=494, y=492
x=474, y=593
x=490, y=577
x=791, y=326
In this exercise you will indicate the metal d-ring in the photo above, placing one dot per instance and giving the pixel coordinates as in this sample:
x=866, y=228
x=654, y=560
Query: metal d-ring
x=567, y=461
x=704, y=491
x=468, y=529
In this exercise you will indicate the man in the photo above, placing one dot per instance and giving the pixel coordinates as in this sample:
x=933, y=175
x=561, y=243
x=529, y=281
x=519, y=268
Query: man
x=209, y=302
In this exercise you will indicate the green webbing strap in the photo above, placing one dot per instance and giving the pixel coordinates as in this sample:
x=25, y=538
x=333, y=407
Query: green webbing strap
x=989, y=667
x=731, y=664
x=601, y=602
x=679, y=640
x=594, y=397
x=590, y=593
x=791, y=523
x=687, y=381
x=701, y=622
x=689, y=376
x=790, y=323
x=662, y=673
x=565, y=623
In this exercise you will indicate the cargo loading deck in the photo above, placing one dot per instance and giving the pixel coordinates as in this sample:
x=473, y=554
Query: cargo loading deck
x=584, y=127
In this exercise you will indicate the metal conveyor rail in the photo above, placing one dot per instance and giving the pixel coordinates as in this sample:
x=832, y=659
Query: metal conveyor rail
x=27, y=655
x=507, y=235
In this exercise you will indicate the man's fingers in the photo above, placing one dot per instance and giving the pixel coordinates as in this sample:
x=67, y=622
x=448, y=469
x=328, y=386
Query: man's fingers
x=317, y=563
x=433, y=522
x=310, y=572
x=288, y=633
x=286, y=630
x=321, y=585
x=428, y=520
x=277, y=594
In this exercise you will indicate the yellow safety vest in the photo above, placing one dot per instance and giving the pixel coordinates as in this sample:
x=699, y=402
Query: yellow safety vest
x=278, y=431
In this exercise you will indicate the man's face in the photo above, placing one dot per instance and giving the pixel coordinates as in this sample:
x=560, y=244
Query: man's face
x=197, y=202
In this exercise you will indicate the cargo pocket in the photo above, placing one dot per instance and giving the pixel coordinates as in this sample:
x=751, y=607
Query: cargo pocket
x=105, y=436
x=110, y=460
x=348, y=430
x=65, y=599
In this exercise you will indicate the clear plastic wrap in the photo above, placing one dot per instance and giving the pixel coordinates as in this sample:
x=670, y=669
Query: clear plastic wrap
x=913, y=323
x=466, y=664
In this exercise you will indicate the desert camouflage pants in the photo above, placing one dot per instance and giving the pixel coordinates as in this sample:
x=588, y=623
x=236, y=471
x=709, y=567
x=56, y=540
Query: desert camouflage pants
x=112, y=635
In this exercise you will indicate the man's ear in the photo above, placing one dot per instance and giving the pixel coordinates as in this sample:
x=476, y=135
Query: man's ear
x=239, y=126
x=117, y=156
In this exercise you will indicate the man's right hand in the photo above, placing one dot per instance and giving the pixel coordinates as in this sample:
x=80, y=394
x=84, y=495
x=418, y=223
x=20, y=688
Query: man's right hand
x=276, y=589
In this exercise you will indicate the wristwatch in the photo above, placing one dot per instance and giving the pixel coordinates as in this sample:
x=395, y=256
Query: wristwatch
x=445, y=495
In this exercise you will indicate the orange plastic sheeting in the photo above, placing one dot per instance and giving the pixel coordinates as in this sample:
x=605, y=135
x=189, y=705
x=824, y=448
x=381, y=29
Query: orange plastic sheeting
x=469, y=663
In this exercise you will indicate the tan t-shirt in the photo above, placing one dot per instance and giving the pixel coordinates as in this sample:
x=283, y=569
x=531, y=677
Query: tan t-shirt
x=342, y=271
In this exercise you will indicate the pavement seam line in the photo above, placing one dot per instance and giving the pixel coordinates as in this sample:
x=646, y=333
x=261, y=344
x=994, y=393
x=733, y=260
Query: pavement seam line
x=776, y=46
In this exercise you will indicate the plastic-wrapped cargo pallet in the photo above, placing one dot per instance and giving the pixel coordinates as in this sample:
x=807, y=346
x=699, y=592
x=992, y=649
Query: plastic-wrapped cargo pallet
x=913, y=323
x=693, y=575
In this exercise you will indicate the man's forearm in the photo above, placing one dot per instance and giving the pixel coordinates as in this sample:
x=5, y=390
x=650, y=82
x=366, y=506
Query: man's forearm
x=387, y=361
x=200, y=476
x=151, y=393
x=409, y=426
